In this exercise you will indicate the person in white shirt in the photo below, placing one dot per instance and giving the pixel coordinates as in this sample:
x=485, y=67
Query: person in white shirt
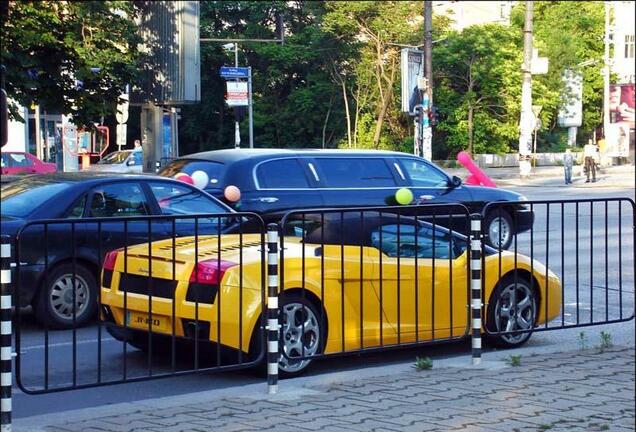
x=590, y=152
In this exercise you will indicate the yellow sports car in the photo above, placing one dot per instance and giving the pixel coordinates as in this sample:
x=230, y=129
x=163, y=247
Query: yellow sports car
x=348, y=284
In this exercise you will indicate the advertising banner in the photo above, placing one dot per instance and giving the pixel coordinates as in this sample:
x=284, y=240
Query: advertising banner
x=412, y=66
x=622, y=119
x=571, y=111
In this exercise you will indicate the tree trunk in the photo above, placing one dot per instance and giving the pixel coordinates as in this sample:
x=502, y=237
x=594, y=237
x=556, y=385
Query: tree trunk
x=346, y=102
x=383, y=109
x=470, y=130
x=324, y=126
x=355, y=120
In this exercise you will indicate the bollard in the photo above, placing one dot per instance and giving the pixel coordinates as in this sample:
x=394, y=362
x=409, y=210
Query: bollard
x=475, y=285
x=5, y=334
x=272, y=309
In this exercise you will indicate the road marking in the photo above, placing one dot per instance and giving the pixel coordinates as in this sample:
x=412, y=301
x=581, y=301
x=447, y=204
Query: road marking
x=61, y=344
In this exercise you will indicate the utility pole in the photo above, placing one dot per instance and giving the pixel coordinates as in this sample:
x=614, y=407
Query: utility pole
x=527, y=117
x=606, y=73
x=237, y=131
x=428, y=68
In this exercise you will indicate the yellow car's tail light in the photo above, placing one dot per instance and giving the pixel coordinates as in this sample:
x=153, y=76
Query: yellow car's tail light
x=205, y=279
x=109, y=267
x=109, y=260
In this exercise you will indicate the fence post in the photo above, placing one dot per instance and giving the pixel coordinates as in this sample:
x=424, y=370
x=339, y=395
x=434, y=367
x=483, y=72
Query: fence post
x=272, y=309
x=475, y=285
x=5, y=334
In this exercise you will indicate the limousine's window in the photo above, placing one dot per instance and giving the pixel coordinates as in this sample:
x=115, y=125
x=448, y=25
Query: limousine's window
x=282, y=173
x=355, y=172
x=214, y=170
x=422, y=174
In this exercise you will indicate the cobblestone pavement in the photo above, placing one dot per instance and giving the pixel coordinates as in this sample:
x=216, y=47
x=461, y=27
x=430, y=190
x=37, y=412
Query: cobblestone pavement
x=575, y=391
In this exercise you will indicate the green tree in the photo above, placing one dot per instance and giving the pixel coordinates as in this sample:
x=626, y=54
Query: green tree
x=76, y=57
x=477, y=89
x=568, y=34
x=297, y=86
x=375, y=29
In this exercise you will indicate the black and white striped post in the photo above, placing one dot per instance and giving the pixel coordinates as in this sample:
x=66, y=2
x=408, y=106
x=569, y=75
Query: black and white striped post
x=475, y=285
x=272, y=309
x=5, y=334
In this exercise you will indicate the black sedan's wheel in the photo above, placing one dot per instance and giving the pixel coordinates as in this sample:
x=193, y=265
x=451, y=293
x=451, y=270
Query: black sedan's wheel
x=301, y=335
x=512, y=311
x=55, y=304
x=499, y=229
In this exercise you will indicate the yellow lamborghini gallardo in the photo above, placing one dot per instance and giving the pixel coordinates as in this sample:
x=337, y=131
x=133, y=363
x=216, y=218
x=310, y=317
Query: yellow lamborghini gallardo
x=346, y=285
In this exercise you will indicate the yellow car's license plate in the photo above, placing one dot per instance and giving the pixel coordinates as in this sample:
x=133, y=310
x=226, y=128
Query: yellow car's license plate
x=138, y=320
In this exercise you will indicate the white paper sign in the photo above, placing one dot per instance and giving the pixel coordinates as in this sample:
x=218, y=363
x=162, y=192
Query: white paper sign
x=236, y=94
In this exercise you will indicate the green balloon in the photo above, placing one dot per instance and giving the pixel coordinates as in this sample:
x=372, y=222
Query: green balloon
x=404, y=196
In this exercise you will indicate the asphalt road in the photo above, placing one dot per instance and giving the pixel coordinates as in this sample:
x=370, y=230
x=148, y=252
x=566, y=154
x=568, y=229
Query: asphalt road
x=554, y=240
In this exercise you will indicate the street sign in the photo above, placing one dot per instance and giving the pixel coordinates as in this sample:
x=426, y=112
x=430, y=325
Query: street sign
x=122, y=109
x=237, y=94
x=121, y=135
x=234, y=72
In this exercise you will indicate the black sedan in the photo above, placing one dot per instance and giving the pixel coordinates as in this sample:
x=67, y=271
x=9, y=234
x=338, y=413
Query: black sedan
x=56, y=256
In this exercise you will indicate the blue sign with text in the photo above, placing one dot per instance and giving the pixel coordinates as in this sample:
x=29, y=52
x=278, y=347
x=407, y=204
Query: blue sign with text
x=234, y=72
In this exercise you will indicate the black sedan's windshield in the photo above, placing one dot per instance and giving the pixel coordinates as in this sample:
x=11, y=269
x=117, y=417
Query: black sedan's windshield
x=21, y=198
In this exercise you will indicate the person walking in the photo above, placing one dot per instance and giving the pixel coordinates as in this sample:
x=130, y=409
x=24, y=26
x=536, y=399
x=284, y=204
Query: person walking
x=589, y=152
x=568, y=161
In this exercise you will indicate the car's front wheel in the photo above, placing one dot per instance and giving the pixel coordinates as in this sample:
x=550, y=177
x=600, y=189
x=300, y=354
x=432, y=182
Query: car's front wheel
x=512, y=312
x=67, y=296
x=499, y=229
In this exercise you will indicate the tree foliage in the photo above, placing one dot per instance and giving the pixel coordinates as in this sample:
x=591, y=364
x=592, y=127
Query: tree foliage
x=477, y=88
x=569, y=36
x=75, y=57
x=334, y=83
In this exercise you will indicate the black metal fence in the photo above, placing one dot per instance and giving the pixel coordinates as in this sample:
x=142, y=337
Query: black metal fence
x=583, y=250
x=184, y=294
x=368, y=279
x=155, y=285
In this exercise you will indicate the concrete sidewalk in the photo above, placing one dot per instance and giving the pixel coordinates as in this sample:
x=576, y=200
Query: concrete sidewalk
x=585, y=390
x=622, y=176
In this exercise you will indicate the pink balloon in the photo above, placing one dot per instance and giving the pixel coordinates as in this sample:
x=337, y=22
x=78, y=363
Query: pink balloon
x=232, y=193
x=184, y=178
x=477, y=177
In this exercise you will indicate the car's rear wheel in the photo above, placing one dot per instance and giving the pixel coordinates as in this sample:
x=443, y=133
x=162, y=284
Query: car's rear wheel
x=499, y=229
x=56, y=306
x=512, y=312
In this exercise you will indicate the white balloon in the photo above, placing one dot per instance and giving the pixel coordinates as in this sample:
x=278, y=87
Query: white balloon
x=200, y=179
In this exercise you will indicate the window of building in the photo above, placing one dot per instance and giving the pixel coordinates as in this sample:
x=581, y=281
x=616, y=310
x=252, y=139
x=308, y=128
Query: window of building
x=629, y=46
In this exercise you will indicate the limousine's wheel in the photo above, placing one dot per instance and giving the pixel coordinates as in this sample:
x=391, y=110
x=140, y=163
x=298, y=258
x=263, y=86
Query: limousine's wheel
x=301, y=335
x=499, y=229
x=512, y=310
x=53, y=305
